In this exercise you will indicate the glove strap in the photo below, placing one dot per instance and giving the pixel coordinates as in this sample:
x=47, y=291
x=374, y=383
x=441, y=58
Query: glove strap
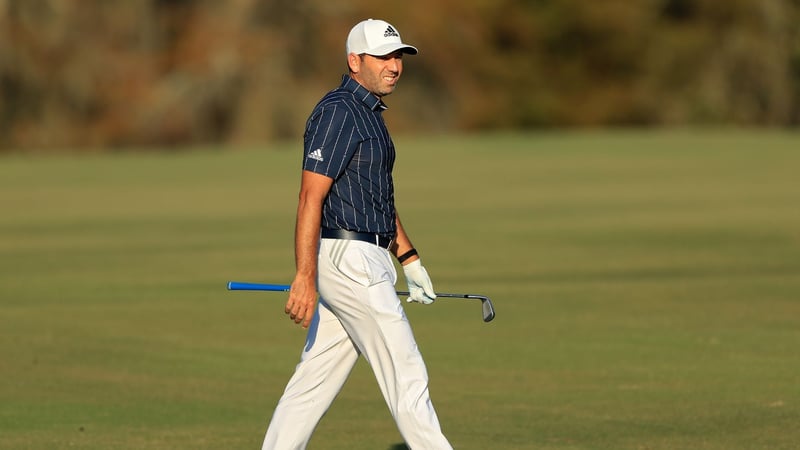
x=407, y=255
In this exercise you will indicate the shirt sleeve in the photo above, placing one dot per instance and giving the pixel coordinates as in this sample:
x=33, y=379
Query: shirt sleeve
x=330, y=140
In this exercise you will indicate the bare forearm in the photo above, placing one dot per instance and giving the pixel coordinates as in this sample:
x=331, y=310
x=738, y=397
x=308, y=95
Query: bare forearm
x=402, y=242
x=306, y=238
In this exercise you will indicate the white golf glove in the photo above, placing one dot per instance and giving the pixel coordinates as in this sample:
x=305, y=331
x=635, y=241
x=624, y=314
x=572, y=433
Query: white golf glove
x=420, y=287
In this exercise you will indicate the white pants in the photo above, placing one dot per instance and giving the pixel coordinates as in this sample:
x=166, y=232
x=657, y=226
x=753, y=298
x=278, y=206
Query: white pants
x=358, y=313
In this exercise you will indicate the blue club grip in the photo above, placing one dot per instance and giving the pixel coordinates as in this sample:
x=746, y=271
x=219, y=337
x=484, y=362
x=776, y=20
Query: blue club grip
x=241, y=286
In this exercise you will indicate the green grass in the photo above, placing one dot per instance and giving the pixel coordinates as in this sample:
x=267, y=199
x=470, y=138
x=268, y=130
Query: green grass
x=647, y=287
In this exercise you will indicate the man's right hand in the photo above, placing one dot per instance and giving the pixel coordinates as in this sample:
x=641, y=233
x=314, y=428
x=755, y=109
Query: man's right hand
x=302, y=301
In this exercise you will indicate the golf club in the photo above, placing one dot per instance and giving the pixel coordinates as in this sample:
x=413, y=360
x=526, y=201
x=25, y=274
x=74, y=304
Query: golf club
x=488, y=308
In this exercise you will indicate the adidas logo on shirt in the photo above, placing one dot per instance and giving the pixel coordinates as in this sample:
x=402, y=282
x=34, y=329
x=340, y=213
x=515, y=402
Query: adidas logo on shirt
x=316, y=154
x=390, y=32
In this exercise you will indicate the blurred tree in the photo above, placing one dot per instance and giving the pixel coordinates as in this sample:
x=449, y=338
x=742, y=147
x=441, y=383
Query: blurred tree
x=102, y=74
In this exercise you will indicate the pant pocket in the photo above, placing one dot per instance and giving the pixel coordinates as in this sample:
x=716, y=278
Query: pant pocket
x=361, y=262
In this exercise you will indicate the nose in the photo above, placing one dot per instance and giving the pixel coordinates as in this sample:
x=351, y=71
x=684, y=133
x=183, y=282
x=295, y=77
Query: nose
x=394, y=65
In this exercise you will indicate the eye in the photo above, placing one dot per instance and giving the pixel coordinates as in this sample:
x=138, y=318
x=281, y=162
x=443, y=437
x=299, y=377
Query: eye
x=395, y=55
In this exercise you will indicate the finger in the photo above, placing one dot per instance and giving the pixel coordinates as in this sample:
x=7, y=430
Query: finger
x=300, y=313
x=290, y=303
x=307, y=322
x=427, y=288
x=295, y=313
x=290, y=309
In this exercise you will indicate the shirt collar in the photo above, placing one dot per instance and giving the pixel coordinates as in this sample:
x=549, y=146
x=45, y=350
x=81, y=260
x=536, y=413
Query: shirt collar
x=372, y=101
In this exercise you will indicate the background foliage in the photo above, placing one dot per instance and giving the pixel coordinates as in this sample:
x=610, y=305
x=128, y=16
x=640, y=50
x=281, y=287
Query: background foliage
x=94, y=73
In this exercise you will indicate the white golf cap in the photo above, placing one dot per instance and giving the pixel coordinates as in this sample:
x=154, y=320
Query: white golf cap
x=376, y=38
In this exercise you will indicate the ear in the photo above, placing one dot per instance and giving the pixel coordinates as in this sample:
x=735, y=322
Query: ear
x=354, y=62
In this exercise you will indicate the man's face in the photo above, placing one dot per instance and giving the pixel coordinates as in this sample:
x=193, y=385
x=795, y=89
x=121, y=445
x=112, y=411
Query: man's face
x=378, y=74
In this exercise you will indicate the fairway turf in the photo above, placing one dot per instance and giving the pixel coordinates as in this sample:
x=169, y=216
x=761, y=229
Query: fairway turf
x=647, y=287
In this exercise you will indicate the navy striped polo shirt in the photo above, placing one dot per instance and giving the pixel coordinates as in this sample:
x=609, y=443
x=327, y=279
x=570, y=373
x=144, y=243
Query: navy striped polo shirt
x=346, y=140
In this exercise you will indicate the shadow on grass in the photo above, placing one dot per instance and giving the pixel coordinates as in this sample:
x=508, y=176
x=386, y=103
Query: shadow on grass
x=400, y=446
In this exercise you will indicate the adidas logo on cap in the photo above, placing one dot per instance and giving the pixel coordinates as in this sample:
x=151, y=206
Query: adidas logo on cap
x=390, y=32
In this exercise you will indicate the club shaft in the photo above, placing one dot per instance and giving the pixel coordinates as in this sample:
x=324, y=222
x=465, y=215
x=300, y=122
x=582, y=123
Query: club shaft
x=446, y=295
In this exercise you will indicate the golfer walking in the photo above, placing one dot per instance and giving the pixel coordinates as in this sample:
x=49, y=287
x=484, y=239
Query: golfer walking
x=346, y=233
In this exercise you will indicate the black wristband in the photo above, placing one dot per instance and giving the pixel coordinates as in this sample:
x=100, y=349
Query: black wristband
x=407, y=255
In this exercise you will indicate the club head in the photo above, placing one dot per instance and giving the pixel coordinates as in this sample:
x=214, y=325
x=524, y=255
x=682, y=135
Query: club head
x=488, y=307
x=486, y=304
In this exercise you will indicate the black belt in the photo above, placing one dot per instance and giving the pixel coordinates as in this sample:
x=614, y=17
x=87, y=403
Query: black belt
x=372, y=238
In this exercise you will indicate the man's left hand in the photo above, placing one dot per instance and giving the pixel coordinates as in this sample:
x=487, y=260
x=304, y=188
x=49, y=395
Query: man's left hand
x=420, y=287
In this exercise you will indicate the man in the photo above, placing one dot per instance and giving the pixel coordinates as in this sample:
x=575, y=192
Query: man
x=347, y=227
